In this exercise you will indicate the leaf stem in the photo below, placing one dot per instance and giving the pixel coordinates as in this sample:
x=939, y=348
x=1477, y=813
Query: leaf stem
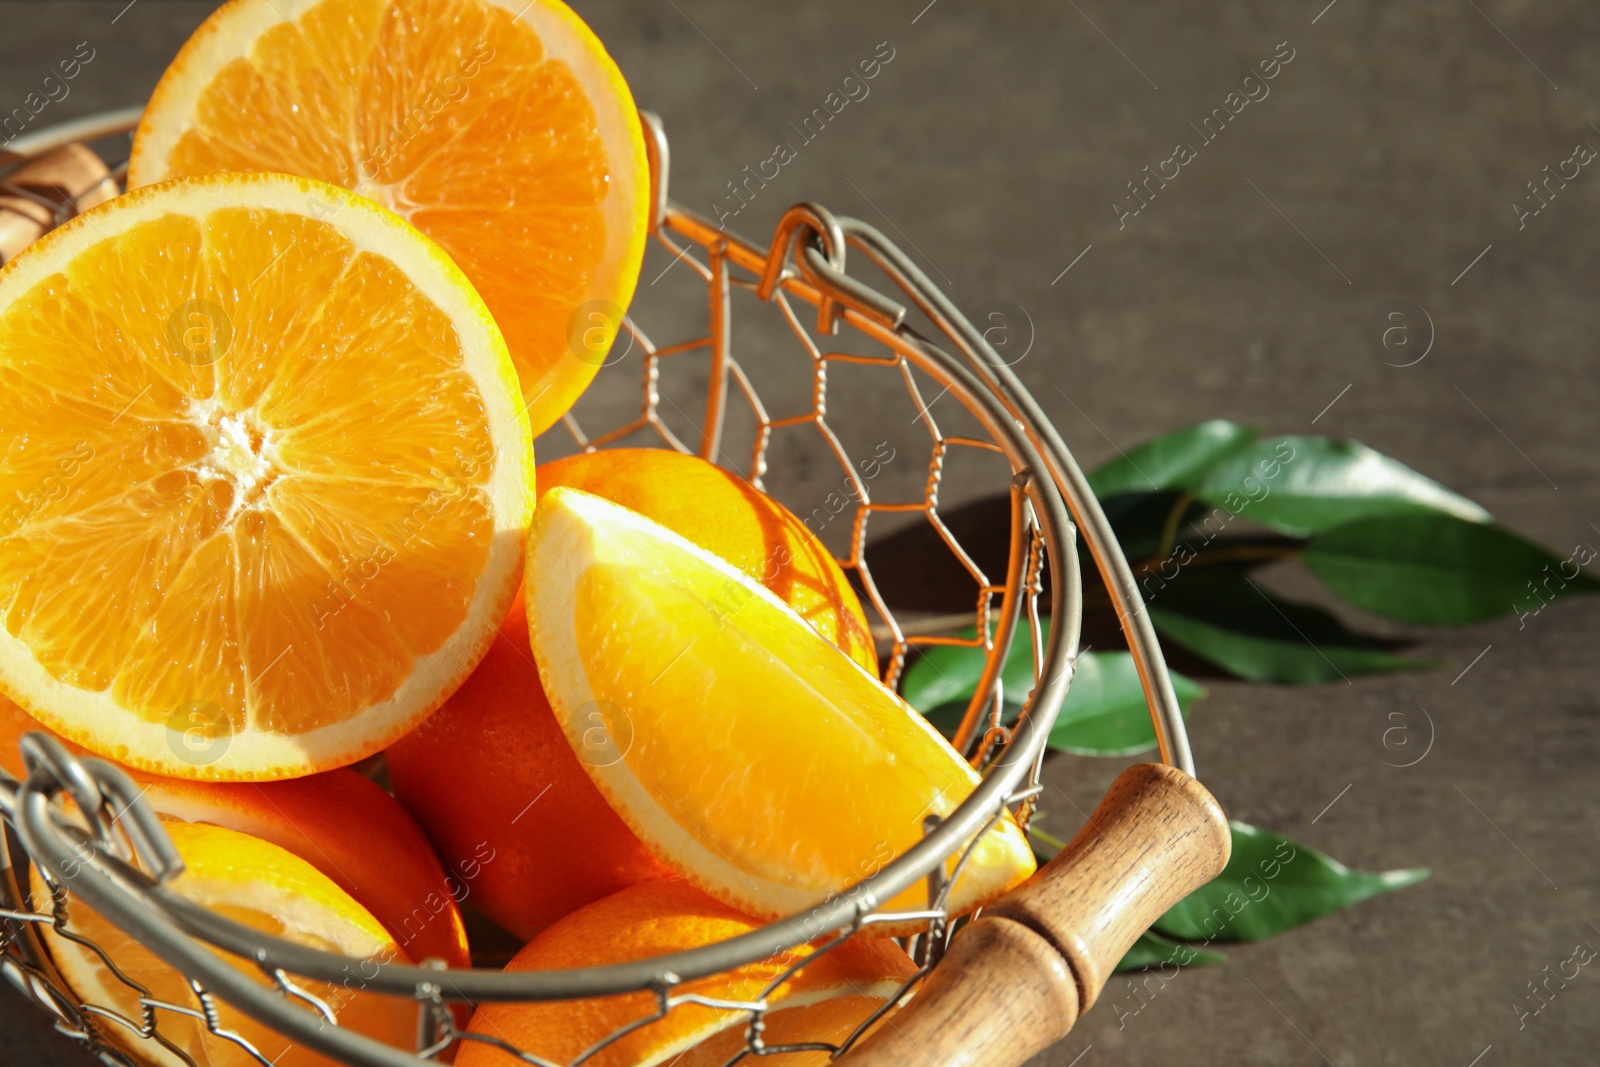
x=1229, y=554
x=1169, y=529
x=1055, y=844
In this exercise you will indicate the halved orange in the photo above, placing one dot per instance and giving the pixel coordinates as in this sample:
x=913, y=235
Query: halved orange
x=500, y=128
x=824, y=1001
x=752, y=755
x=338, y=821
x=267, y=473
x=263, y=887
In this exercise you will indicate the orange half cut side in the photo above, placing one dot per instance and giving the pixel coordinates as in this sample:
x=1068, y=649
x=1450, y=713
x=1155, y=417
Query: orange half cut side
x=266, y=473
x=499, y=128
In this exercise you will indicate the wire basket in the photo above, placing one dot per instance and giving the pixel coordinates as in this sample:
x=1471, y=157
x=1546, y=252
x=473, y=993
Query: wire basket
x=832, y=319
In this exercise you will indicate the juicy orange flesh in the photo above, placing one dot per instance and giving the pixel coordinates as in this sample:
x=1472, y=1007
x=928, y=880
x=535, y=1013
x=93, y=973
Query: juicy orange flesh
x=215, y=503
x=384, y=1018
x=470, y=133
x=757, y=737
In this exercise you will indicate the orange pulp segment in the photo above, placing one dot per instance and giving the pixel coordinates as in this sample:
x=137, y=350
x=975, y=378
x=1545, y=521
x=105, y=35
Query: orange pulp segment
x=752, y=755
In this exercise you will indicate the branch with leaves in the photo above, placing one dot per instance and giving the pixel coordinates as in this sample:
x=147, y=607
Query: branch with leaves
x=1196, y=511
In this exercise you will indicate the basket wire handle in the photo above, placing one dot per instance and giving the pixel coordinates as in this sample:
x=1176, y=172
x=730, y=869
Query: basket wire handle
x=798, y=235
x=96, y=785
x=659, y=156
x=797, y=229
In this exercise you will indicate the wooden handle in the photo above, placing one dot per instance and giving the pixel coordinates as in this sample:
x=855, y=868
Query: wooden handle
x=1016, y=979
x=66, y=180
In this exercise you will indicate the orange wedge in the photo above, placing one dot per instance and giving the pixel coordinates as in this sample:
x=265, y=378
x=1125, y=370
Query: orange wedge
x=500, y=128
x=825, y=1001
x=263, y=887
x=752, y=755
x=269, y=478
x=493, y=770
x=341, y=823
x=730, y=518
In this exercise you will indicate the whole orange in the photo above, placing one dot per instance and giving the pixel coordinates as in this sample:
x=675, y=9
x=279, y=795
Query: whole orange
x=492, y=770
x=824, y=1001
x=491, y=774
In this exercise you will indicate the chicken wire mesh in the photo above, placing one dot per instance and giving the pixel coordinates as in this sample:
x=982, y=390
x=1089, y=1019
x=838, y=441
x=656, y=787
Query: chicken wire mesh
x=701, y=394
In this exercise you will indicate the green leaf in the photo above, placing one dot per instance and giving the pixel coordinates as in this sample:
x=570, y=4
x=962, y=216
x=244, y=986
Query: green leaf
x=1440, y=571
x=1302, y=485
x=944, y=674
x=948, y=674
x=1139, y=521
x=1226, y=618
x=946, y=718
x=1172, y=460
x=1271, y=885
x=1105, y=713
x=1153, y=950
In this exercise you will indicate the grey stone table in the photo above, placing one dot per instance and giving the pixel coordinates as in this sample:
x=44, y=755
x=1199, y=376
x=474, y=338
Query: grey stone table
x=997, y=146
